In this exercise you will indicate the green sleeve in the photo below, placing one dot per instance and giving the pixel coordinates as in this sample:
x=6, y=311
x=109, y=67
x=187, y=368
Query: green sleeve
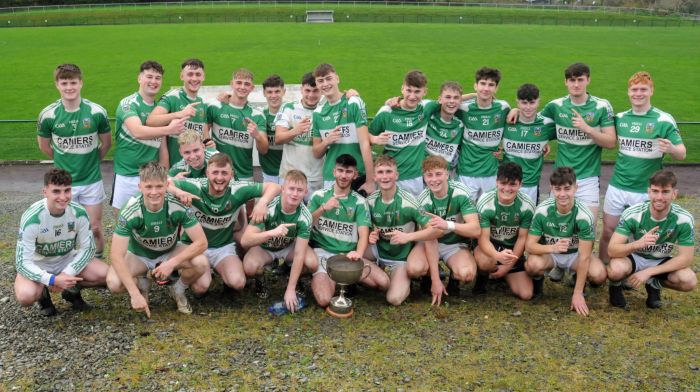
x=686, y=236
x=584, y=230
x=485, y=218
x=192, y=187
x=421, y=219
x=315, y=202
x=526, y=219
x=537, y=224
x=358, y=113
x=45, y=128
x=362, y=217
x=123, y=226
x=625, y=226
x=430, y=107
x=303, y=229
x=165, y=103
x=103, y=123
x=377, y=125
x=315, y=118
x=188, y=219
x=248, y=191
x=549, y=112
x=607, y=117
x=467, y=207
x=673, y=134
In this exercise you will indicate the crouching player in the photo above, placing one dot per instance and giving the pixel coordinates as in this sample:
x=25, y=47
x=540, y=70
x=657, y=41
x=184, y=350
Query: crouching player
x=284, y=234
x=56, y=249
x=145, y=238
x=562, y=235
x=395, y=239
x=341, y=225
x=505, y=215
x=451, y=211
x=641, y=247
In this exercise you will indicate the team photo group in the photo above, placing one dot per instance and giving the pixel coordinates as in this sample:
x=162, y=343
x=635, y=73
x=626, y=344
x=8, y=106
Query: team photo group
x=427, y=188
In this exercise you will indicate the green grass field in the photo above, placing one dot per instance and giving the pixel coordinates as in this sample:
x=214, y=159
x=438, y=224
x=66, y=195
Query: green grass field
x=371, y=58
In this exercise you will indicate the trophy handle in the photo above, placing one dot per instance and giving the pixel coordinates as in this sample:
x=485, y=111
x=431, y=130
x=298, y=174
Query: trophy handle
x=369, y=270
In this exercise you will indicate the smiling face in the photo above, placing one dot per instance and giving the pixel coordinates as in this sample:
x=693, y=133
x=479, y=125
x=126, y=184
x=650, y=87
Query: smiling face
x=57, y=198
x=577, y=86
x=293, y=193
x=507, y=191
x=661, y=197
x=412, y=96
x=386, y=176
x=69, y=88
x=436, y=179
x=273, y=96
x=485, y=89
x=344, y=175
x=310, y=96
x=640, y=95
x=219, y=177
x=242, y=87
x=328, y=84
x=564, y=196
x=450, y=100
x=193, y=154
x=528, y=108
x=153, y=191
x=150, y=82
x=192, y=78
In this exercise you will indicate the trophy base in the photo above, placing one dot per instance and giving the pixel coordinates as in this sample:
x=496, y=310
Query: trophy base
x=342, y=314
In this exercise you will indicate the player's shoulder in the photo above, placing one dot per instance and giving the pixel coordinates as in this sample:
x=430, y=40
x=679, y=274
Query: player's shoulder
x=174, y=204
x=540, y=119
x=487, y=200
x=129, y=100
x=546, y=206
x=254, y=111
x=459, y=189
x=526, y=202
x=215, y=104
x=635, y=211
x=372, y=198
x=663, y=116
x=583, y=212
x=424, y=197
x=356, y=100
x=407, y=198
x=95, y=108
x=49, y=111
x=385, y=110
x=600, y=103
x=684, y=216
x=77, y=210
x=504, y=105
x=132, y=209
x=32, y=215
x=359, y=199
x=559, y=102
x=468, y=105
x=173, y=92
x=622, y=114
x=305, y=214
x=321, y=193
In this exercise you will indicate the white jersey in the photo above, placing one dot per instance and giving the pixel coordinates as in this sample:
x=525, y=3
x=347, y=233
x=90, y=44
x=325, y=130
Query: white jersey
x=297, y=153
x=45, y=240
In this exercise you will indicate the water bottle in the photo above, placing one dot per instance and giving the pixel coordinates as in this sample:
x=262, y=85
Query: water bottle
x=279, y=308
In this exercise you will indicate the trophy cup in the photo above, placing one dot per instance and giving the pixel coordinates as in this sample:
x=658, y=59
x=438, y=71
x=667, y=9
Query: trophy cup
x=344, y=272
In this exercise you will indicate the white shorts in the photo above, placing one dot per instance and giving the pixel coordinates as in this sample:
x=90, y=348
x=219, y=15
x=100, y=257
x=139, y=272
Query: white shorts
x=413, y=186
x=322, y=256
x=617, y=200
x=642, y=263
x=272, y=179
x=58, y=265
x=249, y=179
x=152, y=263
x=282, y=254
x=449, y=250
x=564, y=260
x=386, y=264
x=216, y=255
x=532, y=191
x=478, y=185
x=124, y=188
x=588, y=191
x=89, y=195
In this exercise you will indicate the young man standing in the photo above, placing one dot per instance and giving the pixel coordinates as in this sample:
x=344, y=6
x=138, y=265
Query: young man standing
x=195, y=156
x=236, y=126
x=216, y=206
x=641, y=249
x=137, y=143
x=402, y=130
x=184, y=103
x=340, y=127
x=645, y=134
x=484, y=118
x=452, y=212
x=341, y=225
x=505, y=215
x=445, y=130
x=562, y=235
x=273, y=90
x=145, y=239
x=525, y=142
x=75, y=133
x=396, y=218
x=284, y=234
x=55, y=249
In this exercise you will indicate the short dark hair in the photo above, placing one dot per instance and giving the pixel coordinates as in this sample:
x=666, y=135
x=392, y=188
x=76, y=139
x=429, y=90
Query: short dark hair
x=416, y=79
x=67, y=71
x=563, y=175
x=577, y=69
x=485, y=73
x=56, y=176
x=323, y=70
x=663, y=178
x=308, y=79
x=346, y=160
x=194, y=63
x=273, y=81
x=528, y=92
x=509, y=172
x=151, y=65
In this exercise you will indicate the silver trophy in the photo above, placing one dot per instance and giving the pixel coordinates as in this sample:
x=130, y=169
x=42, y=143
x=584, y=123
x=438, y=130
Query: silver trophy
x=344, y=272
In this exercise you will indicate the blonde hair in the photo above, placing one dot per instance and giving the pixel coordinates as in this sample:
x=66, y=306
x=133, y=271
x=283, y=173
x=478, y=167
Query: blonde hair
x=153, y=171
x=188, y=137
x=242, y=73
x=435, y=162
x=385, y=160
x=295, y=176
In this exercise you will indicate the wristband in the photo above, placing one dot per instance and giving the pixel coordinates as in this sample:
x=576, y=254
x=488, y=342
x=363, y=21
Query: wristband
x=52, y=280
x=450, y=226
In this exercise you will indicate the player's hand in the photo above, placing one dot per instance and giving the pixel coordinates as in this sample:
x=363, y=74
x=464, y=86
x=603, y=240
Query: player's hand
x=501, y=271
x=259, y=213
x=578, y=303
x=224, y=96
x=252, y=128
x=189, y=110
x=353, y=255
x=303, y=126
x=506, y=257
x=163, y=271
x=177, y=126
x=181, y=176
x=209, y=143
x=665, y=146
x=331, y=204
x=638, y=278
x=368, y=187
x=64, y=281
x=393, y=102
x=438, y=290
x=333, y=136
x=382, y=138
x=649, y=238
x=398, y=237
x=546, y=150
x=436, y=222
x=290, y=299
x=139, y=304
x=351, y=93
x=562, y=245
x=512, y=116
x=578, y=122
x=373, y=236
x=497, y=154
x=281, y=230
x=186, y=198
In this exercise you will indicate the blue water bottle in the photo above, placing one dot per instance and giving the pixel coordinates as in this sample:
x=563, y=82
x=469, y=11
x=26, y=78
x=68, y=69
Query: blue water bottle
x=279, y=308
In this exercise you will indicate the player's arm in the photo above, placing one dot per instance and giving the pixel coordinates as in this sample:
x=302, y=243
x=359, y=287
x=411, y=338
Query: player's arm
x=676, y=151
x=469, y=229
x=362, y=242
x=519, y=247
x=160, y=116
x=319, y=148
x=578, y=302
x=85, y=247
x=144, y=132
x=290, y=295
x=533, y=246
x=105, y=143
x=117, y=255
x=605, y=137
x=255, y=236
x=163, y=154
x=270, y=191
x=284, y=134
x=366, y=151
x=317, y=208
x=196, y=248
x=437, y=288
x=256, y=128
x=24, y=263
x=620, y=247
x=45, y=146
x=175, y=187
x=684, y=259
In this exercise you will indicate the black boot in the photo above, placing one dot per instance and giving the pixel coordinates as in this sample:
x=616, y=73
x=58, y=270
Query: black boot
x=617, y=296
x=653, y=297
x=480, y=284
x=46, y=307
x=537, y=287
x=453, y=287
x=76, y=300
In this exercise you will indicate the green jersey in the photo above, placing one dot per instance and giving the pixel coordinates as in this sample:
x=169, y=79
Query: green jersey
x=482, y=136
x=75, y=138
x=443, y=138
x=153, y=234
x=182, y=166
x=639, y=156
x=402, y=213
x=576, y=225
x=505, y=221
x=336, y=231
x=270, y=162
x=523, y=143
x=677, y=228
x=297, y=153
x=300, y=217
x=406, y=135
x=174, y=101
x=45, y=239
x=576, y=149
x=132, y=152
x=352, y=115
x=230, y=132
x=452, y=207
x=217, y=214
